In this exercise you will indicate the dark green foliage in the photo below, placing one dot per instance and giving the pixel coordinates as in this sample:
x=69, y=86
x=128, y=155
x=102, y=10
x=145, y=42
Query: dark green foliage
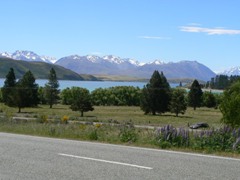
x=178, y=103
x=230, y=106
x=9, y=88
x=23, y=93
x=219, y=99
x=223, y=139
x=195, y=95
x=155, y=97
x=80, y=100
x=116, y=96
x=41, y=95
x=51, y=88
x=1, y=97
x=65, y=96
x=209, y=100
x=127, y=132
x=93, y=135
x=221, y=81
x=26, y=94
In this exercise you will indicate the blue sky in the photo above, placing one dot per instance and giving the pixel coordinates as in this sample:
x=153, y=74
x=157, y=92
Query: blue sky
x=207, y=31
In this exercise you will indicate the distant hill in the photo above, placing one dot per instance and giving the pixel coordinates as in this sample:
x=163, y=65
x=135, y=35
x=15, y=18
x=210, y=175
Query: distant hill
x=115, y=66
x=39, y=69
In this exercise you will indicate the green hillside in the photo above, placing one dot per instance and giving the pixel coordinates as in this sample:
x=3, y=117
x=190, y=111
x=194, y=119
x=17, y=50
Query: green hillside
x=39, y=69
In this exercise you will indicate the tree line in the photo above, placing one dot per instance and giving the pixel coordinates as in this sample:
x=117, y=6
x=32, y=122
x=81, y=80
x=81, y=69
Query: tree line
x=156, y=97
x=221, y=81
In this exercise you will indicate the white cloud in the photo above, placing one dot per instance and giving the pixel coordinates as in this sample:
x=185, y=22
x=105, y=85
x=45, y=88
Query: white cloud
x=210, y=31
x=154, y=37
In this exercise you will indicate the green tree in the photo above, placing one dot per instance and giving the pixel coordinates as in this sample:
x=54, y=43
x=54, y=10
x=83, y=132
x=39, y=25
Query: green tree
x=65, y=96
x=51, y=88
x=209, y=100
x=26, y=94
x=41, y=95
x=8, y=88
x=178, y=103
x=116, y=96
x=1, y=97
x=195, y=95
x=155, y=96
x=230, y=106
x=80, y=100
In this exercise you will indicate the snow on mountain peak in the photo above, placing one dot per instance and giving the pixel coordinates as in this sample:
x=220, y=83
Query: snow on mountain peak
x=6, y=54
x=93, y=58
x=113, y=59
x=49, y=59
x=133, y=62
x=157, y=62
x=28, y=56
x=232, y=71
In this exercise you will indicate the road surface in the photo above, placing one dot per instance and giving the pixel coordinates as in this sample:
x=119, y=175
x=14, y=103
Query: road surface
x=29, y=157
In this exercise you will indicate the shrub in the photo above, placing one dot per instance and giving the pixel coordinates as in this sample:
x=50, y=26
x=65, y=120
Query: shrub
x=127, y=132
x=168, y=136
x=93, y=135
x=43, y=119
x=65, y=119
x=223, y=139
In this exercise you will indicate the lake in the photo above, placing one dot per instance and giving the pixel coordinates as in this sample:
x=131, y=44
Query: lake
x=91, y=85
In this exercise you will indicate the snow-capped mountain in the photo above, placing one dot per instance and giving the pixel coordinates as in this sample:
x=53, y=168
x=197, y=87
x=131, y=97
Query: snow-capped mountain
x=28, y=56
x=114, y=65
x=134, y=62
x=113, y=59
x=232, y=71
x=156, y=62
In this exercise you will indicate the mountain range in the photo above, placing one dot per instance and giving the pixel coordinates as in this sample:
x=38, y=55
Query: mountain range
x=113, y=65
x=231, y=71
x=39, y=69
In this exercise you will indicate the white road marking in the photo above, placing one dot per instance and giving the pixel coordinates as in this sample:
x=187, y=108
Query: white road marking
x=105, y=161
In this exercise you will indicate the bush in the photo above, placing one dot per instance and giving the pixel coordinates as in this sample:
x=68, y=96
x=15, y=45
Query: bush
x=93, y=135
x=169, y=136
x=222, y=139
x=127, y=132
x=230, y=106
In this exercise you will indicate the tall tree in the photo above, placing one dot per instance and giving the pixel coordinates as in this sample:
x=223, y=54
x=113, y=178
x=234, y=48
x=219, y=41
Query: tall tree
x=26, y=94
x=80, y=100
x=178, y=102
x=155, y=96
x=195, y=95
x=9, y=88
x=230, y=105
x=209, y=100
x=51, y=88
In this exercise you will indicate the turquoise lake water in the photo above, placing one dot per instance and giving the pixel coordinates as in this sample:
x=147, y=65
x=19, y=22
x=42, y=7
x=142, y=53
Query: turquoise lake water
x=90, y=85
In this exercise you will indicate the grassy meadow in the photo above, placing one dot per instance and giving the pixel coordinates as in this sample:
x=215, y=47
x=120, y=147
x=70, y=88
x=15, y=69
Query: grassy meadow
x=62, y=122
x=121, y=114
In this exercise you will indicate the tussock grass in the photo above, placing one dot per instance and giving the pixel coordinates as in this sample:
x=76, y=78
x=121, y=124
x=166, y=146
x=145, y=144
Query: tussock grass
x=50, y=123
x=120, y=114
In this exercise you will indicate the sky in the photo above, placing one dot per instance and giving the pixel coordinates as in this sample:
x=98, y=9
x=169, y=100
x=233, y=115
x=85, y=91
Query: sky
x=207, y=31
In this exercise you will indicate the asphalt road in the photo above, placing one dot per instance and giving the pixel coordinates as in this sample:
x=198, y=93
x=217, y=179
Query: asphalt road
x=28, y=157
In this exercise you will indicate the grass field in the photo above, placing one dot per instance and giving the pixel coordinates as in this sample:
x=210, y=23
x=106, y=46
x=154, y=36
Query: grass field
x=122, y=114
x=120, y=134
